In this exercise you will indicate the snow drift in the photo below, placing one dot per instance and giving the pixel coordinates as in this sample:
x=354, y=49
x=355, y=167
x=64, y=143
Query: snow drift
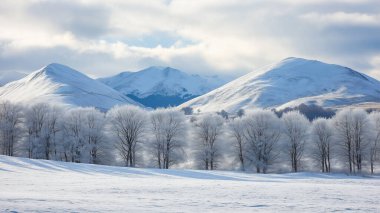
x=48, y=186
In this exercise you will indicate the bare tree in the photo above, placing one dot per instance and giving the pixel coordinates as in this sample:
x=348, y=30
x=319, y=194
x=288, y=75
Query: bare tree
x=352, y=129
x=262, y=132
x=360, y=132
x=237, y=131
x=67, y=145
x=128, y=124
x=169, y=130
x=74, y=133
x=296, y=132
x=207, y=130
x=51, y=126
x=10, y=128
x=35, y=117
x=375, y=140
x=93, y=122
x=322, y=135
x=79, y=135
x=343, y=129
x=84, y=135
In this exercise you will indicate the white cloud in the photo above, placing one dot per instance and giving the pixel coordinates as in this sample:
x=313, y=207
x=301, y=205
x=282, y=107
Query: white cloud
x=343, y=18
x=375, y=63
x=222, y=36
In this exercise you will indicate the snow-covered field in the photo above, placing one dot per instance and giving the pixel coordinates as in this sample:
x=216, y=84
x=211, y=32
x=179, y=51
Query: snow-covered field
x=47, y=186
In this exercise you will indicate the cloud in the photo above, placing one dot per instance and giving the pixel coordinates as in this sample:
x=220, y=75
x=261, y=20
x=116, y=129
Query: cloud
x=375, y=66
x=343, y=18
x=209, y=36
x=81, y=19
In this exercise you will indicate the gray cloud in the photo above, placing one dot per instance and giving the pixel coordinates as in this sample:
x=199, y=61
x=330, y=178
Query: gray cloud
x=81, y=19
x=211, y=36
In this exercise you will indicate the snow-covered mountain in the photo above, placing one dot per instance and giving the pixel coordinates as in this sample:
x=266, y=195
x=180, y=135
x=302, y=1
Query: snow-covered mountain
x=290, y=83
x=60, y=84
x=162, y=86
x=9, y=76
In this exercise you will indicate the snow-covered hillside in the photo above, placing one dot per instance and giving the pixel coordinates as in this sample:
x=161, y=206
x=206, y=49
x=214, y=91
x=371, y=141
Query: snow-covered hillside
x=60, y=84
x=162, y=86
x=9, y=76
x=290, y=83
x=48, y=186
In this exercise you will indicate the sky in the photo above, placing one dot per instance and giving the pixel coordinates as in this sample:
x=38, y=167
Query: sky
x=224, y=37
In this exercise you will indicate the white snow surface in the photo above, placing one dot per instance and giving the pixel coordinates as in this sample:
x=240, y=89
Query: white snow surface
x=164, y=81
x=60, y=84
x=49, y=186
x=290, y=83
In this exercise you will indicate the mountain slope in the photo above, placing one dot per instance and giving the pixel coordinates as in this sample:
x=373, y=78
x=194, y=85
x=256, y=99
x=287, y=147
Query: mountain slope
x=161, y=86
x=60, y=84
x=290, y=83
x=9, y=76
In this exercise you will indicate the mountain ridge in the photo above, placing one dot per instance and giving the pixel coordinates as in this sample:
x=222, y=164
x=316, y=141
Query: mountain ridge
x=10, y=76
x=158, y=86
x=289, y=83
x=60, y=84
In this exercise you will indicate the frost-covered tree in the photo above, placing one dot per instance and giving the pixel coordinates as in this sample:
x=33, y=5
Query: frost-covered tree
x=361, y=127
x=375, y=139
x=321, y=142
x=35, y=117
x=295, y=129
x=67, y=145
x=169, y=129
x=262, y=132
x=50, y=128
x=343, y=131
x=10, y=127
x=84, y=135
x=94, y=131
x=207, y=132
x=94, y=134
x=352, y=128
x=236, y=128
x=75, y=140
x=128, y=124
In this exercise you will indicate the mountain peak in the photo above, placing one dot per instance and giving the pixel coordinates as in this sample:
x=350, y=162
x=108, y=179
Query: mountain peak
x=155, y=68
x=293, y=66
x=292, y=58
x=59, y=69
x=291, y=82
x=161, y=86
x=57, y=83
x=160, y=69
x=296, y=60
x=58, y=73
x=55, y=66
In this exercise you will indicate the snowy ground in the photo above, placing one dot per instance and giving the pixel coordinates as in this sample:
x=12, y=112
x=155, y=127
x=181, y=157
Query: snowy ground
x=47, y=186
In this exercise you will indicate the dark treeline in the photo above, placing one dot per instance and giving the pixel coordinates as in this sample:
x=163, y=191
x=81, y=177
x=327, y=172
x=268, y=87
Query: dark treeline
x=258, y=140
x=310, y=111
